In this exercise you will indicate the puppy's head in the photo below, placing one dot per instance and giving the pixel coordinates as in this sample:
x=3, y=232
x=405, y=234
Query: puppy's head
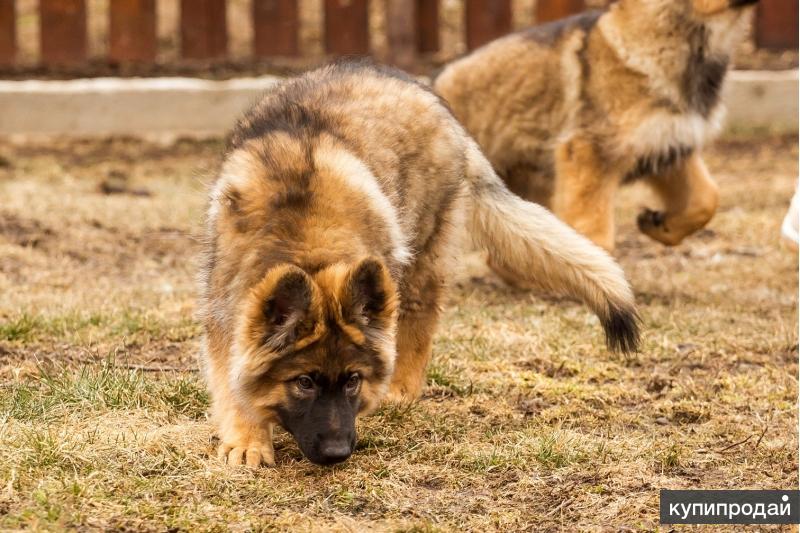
x=693, y=9
x=710, y=29
x=313, y=352
x=713, y=7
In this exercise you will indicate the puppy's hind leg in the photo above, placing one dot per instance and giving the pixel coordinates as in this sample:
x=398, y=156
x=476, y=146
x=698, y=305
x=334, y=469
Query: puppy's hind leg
x=690, y=198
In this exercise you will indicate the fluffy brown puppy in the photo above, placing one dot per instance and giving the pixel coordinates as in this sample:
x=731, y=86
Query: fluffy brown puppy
x=330, y=236
x=568, y=111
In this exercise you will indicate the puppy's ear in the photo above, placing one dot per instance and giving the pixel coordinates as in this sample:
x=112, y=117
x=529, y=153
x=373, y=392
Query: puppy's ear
x=282, y=311
x=369, y=296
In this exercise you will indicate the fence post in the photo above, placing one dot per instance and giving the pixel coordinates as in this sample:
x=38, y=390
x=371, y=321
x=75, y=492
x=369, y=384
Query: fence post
x=487, y=20
x=275, y=27
x=132, y=31
x=776, y=24
x=346, y=27
x=204, y=33
x=427, y=14
x=8, y=32
x=401, y=31
x=62, y=31
x=547, y=10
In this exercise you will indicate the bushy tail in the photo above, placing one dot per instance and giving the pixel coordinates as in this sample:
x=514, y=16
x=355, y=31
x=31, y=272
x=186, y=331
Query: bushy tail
x=529, y=243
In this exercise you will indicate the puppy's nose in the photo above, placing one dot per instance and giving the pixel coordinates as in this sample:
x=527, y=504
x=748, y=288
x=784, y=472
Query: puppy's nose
x=335, y=450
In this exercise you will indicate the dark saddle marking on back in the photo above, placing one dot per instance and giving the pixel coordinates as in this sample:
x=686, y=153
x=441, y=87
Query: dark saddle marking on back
x=550, y=32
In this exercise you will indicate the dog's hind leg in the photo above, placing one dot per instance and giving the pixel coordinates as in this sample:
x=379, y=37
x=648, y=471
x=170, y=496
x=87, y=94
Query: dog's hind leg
x=530, y=181
x=583, y=196
x=690, y=198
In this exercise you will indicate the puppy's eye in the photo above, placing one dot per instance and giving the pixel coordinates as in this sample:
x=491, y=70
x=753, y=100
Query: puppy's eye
x=305, y=383
x=352, y=384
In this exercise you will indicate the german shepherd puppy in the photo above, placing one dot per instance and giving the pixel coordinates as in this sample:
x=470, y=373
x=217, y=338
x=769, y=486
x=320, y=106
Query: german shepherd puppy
x=570, y=110
x=330, y=233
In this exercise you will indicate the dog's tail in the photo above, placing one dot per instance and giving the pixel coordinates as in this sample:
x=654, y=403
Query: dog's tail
x=529, y=243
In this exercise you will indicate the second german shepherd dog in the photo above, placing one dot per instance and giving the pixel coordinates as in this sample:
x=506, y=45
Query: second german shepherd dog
x=570, y=110
x=330, y=233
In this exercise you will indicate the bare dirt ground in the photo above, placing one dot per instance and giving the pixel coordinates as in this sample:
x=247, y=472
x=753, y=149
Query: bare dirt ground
x=527, y=422
x=240, y=59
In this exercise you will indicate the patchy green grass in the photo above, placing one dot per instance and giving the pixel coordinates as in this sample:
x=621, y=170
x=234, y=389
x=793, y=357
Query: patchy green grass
x=527, y=422
x=57, y=391
x=82, y=328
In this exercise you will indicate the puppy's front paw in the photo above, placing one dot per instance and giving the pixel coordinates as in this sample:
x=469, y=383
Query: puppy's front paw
x=396, y=398
x=649, y=219
x=244, y=444
x=252, y=454
x=655, y=225
x=404, y=392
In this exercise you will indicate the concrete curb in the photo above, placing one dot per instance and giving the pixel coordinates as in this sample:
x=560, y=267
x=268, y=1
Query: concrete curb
x=760, y=99
x=154, y=107
x=120, y=106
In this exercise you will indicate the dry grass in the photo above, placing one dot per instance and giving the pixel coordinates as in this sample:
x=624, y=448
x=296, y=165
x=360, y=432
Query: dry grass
x=527, y=422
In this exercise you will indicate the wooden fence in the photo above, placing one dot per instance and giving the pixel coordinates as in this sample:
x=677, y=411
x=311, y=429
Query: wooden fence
x=412, y=29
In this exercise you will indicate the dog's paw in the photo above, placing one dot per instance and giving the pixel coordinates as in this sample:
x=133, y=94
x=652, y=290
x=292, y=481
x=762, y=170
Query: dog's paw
x=654, y=224
x=404, y=393
x=649, y=219
x=396, y=398
x=252, y=454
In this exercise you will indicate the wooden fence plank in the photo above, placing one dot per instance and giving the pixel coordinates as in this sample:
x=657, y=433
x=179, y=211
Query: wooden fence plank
x=427, y=14
x=346, y=27
x=8, y=32
x=776, y=24
x=547, y=10
x=62, y=31
x=487, y=20
x=132, y=31
x=276, y=27
x=401, y=31
x=204, y=33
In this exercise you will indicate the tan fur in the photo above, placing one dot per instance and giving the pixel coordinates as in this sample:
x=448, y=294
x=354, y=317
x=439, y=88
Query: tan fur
x=346, y=170
x=690, y=199
x=709, y=7
x=569, y=111
x=527, y=243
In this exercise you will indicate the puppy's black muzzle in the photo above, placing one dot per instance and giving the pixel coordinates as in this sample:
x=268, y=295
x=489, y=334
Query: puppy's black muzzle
x=332, y=450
